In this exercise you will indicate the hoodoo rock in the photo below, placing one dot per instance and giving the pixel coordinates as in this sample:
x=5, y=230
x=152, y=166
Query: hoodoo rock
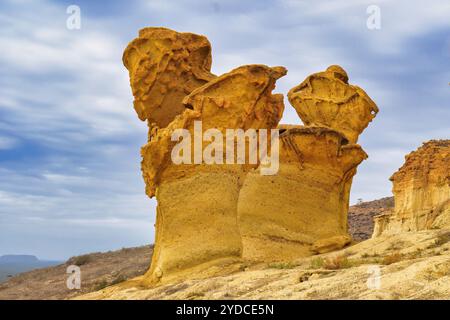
x=421, y=190
x=196, y=223
x=293, y=213
x=215, y=210
x=303, y=209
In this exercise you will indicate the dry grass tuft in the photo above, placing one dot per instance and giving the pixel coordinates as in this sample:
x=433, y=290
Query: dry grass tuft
x=392, y=258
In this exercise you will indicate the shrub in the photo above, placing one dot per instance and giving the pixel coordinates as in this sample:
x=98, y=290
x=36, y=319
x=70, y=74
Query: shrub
x=120, y=278
x=392, y=258
x=80, y=260
x=317, y=263
x=102, y=284
x=337, y=262
x=442, y=238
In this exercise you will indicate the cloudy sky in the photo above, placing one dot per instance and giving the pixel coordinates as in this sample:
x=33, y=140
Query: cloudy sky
x=70, y=180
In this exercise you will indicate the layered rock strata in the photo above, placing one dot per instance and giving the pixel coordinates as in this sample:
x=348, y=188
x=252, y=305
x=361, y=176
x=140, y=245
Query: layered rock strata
x=421, y=190
x=303, y=209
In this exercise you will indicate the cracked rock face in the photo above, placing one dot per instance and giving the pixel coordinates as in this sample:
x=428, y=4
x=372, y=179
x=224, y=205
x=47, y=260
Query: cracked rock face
x=421, y=190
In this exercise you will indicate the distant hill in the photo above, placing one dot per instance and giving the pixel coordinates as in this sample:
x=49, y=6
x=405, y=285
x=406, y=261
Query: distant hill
x=98, y=271
x=11, y=264
x=360, y=217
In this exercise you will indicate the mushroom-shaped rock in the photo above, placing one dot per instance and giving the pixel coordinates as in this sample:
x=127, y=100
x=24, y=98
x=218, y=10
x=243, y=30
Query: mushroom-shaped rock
x=325, y=99
x=196, y=224
x=303, y=209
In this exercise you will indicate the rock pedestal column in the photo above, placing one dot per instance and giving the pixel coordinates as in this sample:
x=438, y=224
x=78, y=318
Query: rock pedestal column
x=196, y=228
x=303, y=209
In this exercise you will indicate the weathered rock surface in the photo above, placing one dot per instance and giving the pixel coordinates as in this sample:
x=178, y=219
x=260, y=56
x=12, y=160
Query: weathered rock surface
x=205, y=223
x=293, y=213
x=421, y=190
x=165, y=66
x=196, y=225
x=325, y=99
x=302, y=210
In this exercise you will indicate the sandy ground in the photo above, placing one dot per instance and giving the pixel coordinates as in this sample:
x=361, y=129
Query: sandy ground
x=405, y=266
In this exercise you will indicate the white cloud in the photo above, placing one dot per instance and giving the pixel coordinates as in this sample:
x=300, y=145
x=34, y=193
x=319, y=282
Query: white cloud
x=7, y=143
x=82, y=82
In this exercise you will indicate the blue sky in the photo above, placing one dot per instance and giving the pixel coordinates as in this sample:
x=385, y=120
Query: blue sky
x=70, y=179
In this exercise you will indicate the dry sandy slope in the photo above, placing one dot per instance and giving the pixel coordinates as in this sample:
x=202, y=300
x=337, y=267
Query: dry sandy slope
x=98, y=270
x=412, y=266
x=102, y=269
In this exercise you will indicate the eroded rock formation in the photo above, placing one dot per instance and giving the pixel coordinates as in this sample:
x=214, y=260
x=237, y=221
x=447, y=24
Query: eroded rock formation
x=197, y=203
x=421, y=190
x=325, y=99
x=303, y=209
x=165, y=66
x=196, y=224
x=208, y=218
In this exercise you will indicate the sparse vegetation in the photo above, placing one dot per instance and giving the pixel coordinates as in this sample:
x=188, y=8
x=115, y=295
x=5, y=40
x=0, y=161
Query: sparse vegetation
x=396, y=245
x=392, y=258
x=415, y=254
x=120, y=278
x=195, y=294
x=317, y=263
x=337, y=262
x=366, y=255
x=102, y=284
x=81, y=260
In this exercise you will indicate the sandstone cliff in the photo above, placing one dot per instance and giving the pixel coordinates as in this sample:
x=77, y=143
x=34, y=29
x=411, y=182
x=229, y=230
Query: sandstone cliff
x=421, y=190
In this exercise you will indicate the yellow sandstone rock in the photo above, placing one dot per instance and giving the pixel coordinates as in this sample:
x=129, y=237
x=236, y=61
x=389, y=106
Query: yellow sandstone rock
x=293, y=213
x=325, y=99
x=165, y=66
x=196, y=224
x=303, y=209
x=421, y=190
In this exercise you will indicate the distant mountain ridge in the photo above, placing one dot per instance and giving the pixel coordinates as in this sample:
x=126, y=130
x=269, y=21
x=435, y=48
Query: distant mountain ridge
x=12, y=264
x=360, y=217
x=18, y=258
